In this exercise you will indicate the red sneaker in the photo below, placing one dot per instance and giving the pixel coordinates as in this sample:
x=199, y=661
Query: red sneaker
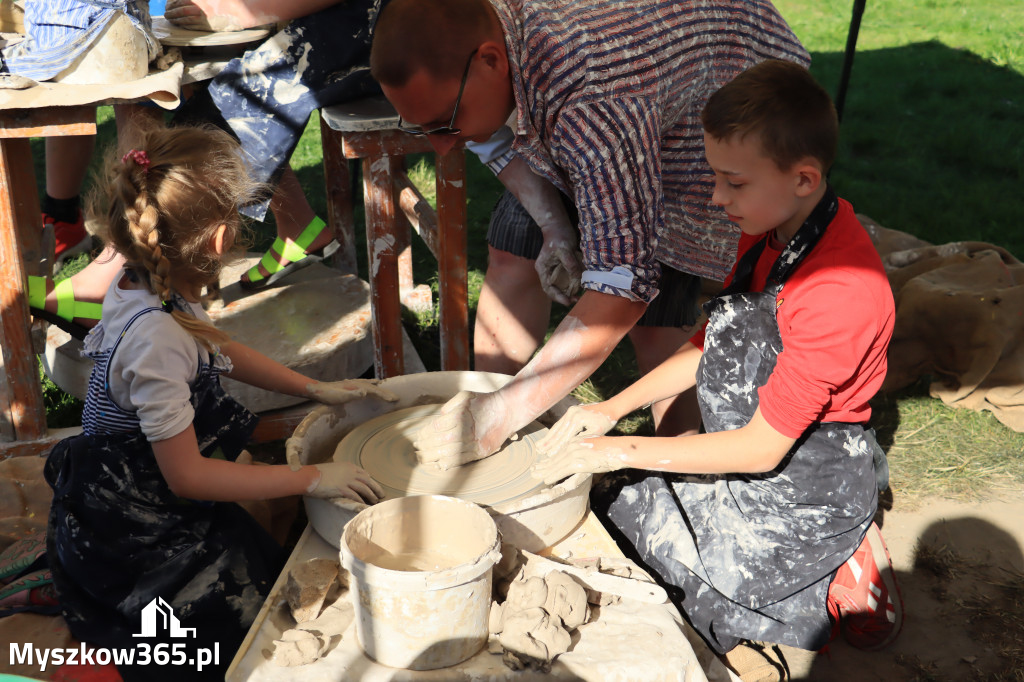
x=864, y=598
x=71, y=238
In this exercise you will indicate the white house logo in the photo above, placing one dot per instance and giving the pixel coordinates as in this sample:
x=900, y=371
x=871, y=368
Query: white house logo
x=158, y=617
x=158, y=620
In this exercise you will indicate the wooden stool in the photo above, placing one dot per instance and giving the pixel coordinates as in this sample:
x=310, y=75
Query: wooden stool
x=22, y=410
x=366, y=129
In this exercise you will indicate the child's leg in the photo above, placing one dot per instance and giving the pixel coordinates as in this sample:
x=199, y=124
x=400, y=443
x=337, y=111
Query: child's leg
x=67, y=162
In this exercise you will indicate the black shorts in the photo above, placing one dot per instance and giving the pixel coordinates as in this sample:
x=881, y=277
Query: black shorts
x=513, y=230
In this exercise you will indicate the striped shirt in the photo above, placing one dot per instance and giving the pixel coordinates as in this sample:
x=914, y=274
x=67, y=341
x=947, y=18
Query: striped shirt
x=58, y=31
x=608, y=101
x=145, y=365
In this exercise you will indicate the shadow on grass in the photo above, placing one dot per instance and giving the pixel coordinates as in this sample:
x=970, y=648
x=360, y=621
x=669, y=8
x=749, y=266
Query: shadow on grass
x=932, y=142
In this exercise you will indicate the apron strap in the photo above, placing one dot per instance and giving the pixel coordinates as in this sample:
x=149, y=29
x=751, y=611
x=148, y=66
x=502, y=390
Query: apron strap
x=792, y=255
x=804, y=240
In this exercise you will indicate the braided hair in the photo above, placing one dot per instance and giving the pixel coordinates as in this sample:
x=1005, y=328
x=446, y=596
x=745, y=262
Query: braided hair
x=165, y=200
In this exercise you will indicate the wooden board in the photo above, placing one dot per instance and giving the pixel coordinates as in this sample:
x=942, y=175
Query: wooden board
x=175, y=36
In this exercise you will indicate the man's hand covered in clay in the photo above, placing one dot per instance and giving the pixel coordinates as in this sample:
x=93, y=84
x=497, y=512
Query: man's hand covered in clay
x=345, y=479
x=579, y=421
x=199, y=16
x=340, y=392
x=560, y=264
x=464, y=431
x=582, y=456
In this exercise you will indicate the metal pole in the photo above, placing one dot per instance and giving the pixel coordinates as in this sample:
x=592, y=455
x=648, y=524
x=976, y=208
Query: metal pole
x=851, y=49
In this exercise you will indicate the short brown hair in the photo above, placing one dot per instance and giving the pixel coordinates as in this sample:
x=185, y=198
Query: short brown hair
x=436, y=35
x=782, y=103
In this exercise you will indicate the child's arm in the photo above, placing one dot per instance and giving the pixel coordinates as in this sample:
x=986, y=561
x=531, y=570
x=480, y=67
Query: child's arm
x=754, y=448
x=676, y=374
x=190, y=475
x=256, y=369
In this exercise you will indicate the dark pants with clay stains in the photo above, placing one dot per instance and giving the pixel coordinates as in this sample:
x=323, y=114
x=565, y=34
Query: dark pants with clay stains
x=266, y=96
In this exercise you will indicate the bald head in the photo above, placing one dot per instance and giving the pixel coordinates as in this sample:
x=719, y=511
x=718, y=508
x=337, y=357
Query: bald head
x=436, y=35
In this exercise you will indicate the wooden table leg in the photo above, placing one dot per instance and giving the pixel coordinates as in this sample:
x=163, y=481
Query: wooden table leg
x=338, y=183
x=382, y=259
x=451, y=257
x=26, y=407
x=402, y=232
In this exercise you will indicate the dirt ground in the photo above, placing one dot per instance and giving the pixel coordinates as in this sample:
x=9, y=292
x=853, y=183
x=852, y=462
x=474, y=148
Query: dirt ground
x=962, y=597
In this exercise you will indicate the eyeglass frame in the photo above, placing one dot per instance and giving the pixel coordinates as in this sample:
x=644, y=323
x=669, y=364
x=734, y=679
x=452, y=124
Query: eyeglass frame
x=449, y=129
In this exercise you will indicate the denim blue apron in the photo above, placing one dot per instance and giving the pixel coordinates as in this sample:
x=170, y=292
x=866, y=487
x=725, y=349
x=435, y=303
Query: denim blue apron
x=118, y=538
x=751, y=556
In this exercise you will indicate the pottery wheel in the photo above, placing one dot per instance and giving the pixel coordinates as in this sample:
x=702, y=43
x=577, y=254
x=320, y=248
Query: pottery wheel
x=384, y=447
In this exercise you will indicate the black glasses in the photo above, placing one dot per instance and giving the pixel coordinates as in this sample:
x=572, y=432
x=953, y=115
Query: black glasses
x=449, y=129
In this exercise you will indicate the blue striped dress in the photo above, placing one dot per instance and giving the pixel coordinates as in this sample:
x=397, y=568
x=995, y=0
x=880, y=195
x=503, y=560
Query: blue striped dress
x=58, y=31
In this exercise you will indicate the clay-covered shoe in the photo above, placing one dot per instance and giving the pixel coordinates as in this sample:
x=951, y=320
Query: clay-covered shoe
x=864, y=597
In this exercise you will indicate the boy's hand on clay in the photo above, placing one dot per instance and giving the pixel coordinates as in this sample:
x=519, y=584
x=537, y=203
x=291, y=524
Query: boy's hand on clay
x=340, y=392
x=579, y=421
x=199, y=16
x=459, y=434
x=345, y=479
x=560, y=264
x=583, y=456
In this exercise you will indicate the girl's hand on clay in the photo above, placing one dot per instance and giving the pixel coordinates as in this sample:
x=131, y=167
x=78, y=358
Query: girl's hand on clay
x=579, y=421
x=340, y=392
x=582, y=456
x=199, y=16
x=560, y=264
x=345, y=479
x=451, y=438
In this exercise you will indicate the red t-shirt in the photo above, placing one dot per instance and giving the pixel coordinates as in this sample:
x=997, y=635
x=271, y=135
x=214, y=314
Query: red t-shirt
x=835, y=315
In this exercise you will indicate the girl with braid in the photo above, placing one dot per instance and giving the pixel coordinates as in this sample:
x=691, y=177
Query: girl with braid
x=144, y=509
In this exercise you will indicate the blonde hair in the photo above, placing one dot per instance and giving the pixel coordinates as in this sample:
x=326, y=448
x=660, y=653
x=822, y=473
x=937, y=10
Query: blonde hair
x=164, y=201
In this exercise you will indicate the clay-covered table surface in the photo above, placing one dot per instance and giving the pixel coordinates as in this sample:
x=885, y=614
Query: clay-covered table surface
x=630, y=640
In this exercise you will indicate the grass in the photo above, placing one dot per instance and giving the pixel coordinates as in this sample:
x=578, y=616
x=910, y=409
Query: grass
x=937, y=450
x=932, y=144
x=932, y=140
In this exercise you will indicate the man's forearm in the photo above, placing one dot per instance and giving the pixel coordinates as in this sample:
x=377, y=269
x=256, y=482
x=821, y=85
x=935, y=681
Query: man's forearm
x=584, y=339
x=540, y=198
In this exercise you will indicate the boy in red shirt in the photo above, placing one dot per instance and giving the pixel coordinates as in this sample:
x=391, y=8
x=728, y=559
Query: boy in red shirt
x=762, y=527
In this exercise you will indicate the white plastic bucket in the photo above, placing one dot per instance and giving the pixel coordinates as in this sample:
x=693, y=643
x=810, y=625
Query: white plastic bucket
x=421, y=579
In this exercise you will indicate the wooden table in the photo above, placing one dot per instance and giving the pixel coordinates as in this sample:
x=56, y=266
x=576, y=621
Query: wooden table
x=637, y=641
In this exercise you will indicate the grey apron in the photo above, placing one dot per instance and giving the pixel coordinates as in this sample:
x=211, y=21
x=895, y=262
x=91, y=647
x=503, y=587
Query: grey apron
x=751, y=556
